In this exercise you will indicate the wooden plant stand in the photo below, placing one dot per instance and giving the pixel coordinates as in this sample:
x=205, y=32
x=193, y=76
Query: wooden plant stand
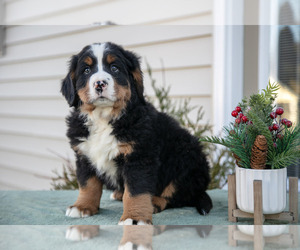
x=234, y=213
x=287, y=240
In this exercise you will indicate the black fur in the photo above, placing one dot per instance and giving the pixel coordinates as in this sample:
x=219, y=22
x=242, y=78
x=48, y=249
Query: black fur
x=68, y=87
x=163, y=152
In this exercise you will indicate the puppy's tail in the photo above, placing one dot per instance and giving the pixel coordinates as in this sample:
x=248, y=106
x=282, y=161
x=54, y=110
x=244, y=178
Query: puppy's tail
x=203, y=204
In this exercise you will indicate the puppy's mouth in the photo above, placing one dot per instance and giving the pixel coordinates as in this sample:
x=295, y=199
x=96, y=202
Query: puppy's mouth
x=103, y=97
x=102, y=100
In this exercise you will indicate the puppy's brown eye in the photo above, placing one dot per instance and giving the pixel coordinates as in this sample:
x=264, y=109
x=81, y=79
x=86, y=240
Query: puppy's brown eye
x=87, y=70
x=114, y=69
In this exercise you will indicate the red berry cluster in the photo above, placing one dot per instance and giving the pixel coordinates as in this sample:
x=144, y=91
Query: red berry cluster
x=240, y=117
x=278, y=126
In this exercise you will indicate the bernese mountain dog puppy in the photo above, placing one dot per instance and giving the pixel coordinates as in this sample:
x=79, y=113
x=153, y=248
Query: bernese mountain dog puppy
x=122, y=141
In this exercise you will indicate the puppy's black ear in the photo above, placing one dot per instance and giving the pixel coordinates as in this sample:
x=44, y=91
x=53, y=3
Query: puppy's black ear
x=68, y=84
x=135, y=69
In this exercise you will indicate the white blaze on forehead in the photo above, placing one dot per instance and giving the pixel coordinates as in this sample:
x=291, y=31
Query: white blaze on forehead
x=98, y=51
x=101, y=75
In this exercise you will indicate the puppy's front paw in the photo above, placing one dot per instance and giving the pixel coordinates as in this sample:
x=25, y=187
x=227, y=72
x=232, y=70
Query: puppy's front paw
x=78, y=211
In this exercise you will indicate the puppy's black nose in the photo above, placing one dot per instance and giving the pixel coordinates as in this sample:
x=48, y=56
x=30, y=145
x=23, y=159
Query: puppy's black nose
x=100, y=85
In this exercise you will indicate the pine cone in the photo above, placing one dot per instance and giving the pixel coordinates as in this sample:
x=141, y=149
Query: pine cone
x=259, y=153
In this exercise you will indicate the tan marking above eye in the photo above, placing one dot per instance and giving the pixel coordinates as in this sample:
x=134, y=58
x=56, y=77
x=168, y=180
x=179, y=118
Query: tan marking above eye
x=88, y=60
x=110, y=58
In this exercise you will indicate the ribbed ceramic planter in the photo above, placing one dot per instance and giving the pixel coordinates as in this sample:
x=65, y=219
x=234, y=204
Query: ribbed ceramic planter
x=273, y=189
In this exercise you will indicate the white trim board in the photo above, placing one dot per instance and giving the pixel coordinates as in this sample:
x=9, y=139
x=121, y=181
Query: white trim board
x=228, y=60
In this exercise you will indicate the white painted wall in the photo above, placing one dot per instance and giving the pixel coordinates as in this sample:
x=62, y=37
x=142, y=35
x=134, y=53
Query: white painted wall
x=32, y=110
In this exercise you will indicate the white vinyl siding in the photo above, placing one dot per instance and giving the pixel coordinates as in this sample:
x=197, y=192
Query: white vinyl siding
x=124, y=12
x=32, y=110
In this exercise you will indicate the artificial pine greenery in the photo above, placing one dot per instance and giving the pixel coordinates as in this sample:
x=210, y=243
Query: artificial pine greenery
x=259, y=119
x=287, y=151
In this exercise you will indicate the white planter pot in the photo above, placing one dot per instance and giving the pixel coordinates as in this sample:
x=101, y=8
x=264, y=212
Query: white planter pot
x=273, y=189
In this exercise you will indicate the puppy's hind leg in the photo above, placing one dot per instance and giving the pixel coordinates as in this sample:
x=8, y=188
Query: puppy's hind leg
x=117, y=195
x=160, y=202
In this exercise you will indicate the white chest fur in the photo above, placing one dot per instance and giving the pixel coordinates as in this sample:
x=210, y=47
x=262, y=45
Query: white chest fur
x=101, y=147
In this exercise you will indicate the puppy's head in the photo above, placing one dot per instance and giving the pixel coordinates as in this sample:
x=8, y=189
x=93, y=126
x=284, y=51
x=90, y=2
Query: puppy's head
x=103, y=75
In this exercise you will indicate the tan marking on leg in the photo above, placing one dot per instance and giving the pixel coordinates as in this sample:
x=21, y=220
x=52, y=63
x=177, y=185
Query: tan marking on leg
x=110, y=58
x=88, y=200
x=88, y=60
x=159, y=204
x=118, y=195
x=123, y=94
x=138, y=207
x=126, y=148
x=168, y=191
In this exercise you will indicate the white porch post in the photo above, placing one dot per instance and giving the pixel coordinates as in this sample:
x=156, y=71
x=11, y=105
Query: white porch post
x=228, y=60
